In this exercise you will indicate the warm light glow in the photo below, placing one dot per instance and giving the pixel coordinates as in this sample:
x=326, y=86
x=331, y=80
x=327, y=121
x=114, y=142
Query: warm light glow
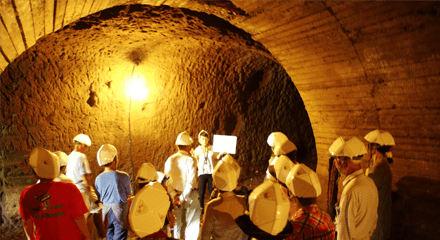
x=137, y=87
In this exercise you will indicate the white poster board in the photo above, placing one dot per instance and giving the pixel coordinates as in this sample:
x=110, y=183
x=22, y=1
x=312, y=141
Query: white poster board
x=224, y=143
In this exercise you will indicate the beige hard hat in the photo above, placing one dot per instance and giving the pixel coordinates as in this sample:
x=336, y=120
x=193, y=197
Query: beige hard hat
x=106, y=154
x=269, y=207
x=148, y=210
x=303, y=182
x=380, y=137
x=282, y=166
x=184, y=139
x=229, y=159
x=84, y=139
x=224, y=176
x=280, y=143
x=351, y=148
x=63, y=158
x=44, y=163
x=146, y=173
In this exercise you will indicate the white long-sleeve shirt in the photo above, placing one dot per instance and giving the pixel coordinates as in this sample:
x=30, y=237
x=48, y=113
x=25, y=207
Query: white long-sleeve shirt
x=181, y=169
x=358, y=207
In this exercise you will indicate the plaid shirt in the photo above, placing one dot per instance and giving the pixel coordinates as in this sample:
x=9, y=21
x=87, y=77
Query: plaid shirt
x=312, y=223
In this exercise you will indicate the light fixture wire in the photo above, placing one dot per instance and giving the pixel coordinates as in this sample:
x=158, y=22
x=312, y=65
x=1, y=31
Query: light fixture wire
x=129, y=132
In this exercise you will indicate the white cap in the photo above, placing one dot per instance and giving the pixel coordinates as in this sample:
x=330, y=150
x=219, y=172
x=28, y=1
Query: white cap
x=200, y=133
x=147, y=172
x=149, y=209
x=303, y=182
x=282, y=165
x=280, y=143
x=380, y=137
x=224, y=176
x=44, y=163
x=63, y=158
x=184, y=139
x=229, y=159
x=269, y=207
x=351, y=148
x=106, y=154
x=84, y=139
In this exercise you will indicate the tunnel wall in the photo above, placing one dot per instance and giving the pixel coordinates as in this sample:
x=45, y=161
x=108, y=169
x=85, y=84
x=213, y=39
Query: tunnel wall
x=212, y=79
x=357, y=65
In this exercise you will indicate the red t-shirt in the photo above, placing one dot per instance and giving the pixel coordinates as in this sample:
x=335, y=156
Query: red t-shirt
x=52, y=206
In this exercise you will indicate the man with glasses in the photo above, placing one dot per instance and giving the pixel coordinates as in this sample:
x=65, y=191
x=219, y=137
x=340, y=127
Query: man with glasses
x=359, y=200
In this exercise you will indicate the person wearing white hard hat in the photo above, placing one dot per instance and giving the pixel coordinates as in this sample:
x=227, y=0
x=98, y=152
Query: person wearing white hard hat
x=283, y=159
x=78, y=169
x=49, y=209
x=152, y=195
x=113, y=188
x=182, y=186
x=280, y=146
x=380, y=143
x=219, y=217
x=203, y=155
x=268, y=213
x=309, y=222
x=64, y=159
x=359, y=200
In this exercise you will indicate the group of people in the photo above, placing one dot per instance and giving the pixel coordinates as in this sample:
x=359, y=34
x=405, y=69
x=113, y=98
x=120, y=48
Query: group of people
x=284, y=206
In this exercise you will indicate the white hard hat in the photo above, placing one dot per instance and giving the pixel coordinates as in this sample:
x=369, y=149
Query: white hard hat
x=282, y=166
x=63, y=158
x=229, y=159
x=280, y=143
x=106, y=154
x=303, y=182
x=184, y=139
x=147, y=172
x=224, y=176
x=148, y=211
x=160, y=176
x=269, y=207
x=351, y=148
x=380, y=137
x=84, y=139
x=44, y=163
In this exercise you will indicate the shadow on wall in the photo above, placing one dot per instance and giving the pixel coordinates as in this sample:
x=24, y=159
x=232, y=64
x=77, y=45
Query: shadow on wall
x=416, y=209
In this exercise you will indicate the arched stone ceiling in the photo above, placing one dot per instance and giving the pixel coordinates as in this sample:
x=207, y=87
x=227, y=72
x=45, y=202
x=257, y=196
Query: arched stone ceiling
x=358, y=66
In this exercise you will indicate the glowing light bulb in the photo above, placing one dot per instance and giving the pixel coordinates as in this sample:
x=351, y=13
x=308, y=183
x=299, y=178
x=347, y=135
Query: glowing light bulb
x=137, y=87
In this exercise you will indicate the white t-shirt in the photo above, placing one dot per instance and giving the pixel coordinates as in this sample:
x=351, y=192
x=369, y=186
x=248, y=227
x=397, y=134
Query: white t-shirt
x=78, y=166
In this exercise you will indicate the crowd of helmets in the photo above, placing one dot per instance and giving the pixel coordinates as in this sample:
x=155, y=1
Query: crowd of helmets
x=269, y=205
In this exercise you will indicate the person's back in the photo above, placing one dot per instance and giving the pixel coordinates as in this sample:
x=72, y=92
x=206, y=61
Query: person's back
x=175, y=167
x=113, y=187
x=312, y=223
x=53, y=206
x=382, y=177
x=220, y=217
x=309, y=222
x=77, y=168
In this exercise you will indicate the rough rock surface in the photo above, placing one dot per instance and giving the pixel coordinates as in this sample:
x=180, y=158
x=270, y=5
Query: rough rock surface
x=203, y=74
